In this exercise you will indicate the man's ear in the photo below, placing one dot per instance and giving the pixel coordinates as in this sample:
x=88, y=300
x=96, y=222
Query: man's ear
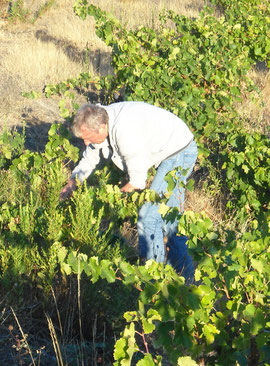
x=103, y=128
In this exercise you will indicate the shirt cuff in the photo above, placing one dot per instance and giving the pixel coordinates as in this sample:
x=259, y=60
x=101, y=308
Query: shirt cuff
x=138, y=181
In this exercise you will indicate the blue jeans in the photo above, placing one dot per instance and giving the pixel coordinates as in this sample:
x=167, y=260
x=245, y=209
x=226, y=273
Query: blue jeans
x=152, y=228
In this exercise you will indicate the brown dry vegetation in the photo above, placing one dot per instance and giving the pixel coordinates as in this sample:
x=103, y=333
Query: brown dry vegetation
x=256, y=108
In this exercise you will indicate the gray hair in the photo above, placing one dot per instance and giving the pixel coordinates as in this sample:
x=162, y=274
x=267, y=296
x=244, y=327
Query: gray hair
x=91, y=116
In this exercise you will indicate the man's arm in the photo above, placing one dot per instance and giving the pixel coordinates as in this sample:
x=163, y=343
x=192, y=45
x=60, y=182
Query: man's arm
x=68, y=189
x=128, y=188
x=87, y=164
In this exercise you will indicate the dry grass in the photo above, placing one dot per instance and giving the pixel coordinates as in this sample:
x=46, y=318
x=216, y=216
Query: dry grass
x=145, y=12
x=256, y=110
x=53, y=49
x=69, y=27
x=200, y=200
x=39, y=63
x=3, y=4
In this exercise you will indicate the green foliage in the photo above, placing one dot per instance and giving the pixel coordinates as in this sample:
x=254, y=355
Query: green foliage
x=196, y=68
x=11, y=146
x=31, y=95
x=246, y=160
x=229, y=306
x=203, y=65
x=252, y=19
x=205, y=60
x=90, y=230
x=30, y=216
x=43, y=8
x=18, y=11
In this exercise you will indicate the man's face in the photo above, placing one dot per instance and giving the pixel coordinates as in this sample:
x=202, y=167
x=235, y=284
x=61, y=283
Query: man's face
x=94, y=136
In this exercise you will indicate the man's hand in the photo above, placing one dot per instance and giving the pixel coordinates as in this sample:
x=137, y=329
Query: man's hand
x=68, y=189
x=128, y=188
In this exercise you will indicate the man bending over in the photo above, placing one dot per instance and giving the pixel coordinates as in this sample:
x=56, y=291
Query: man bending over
x=137, y=136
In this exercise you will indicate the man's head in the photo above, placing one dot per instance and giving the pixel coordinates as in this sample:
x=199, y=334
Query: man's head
x=91, y=124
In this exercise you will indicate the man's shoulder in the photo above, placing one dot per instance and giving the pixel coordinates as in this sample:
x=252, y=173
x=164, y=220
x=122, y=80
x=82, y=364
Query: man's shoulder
x=126, y=104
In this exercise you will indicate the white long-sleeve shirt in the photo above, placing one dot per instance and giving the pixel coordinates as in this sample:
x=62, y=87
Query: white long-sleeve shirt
x=140, y=136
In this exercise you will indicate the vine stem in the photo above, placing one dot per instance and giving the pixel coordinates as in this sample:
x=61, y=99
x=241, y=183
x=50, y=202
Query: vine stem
x=225, y=289
x=144, y=341
x=201, y=362
x=119, y=278
x=246, y=291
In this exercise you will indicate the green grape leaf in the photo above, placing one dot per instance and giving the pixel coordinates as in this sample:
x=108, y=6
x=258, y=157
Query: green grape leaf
x=186, y=361
x=146, y=361
x=257, y=322
x=119, y=349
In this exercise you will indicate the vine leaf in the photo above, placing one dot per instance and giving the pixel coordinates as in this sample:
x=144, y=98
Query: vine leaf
x=186, y=361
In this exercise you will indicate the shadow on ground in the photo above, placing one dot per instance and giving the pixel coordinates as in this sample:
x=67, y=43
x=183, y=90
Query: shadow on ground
x=99, y=60
x=36, y=134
